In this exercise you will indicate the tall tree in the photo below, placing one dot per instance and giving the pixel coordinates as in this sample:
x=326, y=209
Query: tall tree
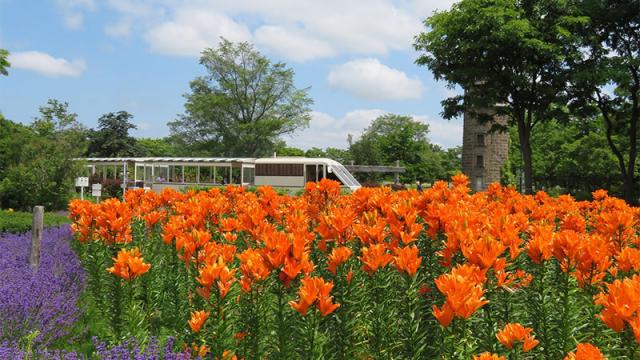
x=243, y=105
x=45, y=172
x=507, y=52
x=112, y=138
x=608, y=77
x=4, y=63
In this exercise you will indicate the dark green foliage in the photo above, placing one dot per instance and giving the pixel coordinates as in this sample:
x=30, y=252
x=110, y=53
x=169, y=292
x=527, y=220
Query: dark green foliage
x=606, y=79
x=507, y=52
x=161, y=147
x=242, y=106
x=40, y=168
x=4, y=63
x=112, y=138
x=568, y=158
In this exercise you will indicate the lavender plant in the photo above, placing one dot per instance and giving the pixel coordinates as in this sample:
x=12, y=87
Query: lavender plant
x=127, y=350
x=44, y=301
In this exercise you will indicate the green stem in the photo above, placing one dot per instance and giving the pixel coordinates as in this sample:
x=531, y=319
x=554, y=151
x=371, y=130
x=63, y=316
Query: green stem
x=313, y=329
x=377, y=336
x=281, y=324
x=565, y=313
x=410, y=316
x=543, y=308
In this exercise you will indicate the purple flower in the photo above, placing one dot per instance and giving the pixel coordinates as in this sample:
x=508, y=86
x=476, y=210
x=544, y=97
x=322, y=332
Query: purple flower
x=130, y=349
x=42, y=301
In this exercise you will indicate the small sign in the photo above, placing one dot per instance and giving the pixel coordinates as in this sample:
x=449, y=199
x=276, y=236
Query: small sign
x=96, y=190
x=82, y=182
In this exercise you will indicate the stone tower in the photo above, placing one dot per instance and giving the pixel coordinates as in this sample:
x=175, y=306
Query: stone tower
x=483, y=152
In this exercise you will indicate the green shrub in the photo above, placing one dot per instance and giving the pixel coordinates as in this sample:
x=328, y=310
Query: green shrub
x=19, y=221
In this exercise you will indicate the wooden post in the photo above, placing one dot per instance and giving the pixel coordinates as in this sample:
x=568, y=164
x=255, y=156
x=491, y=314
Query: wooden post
x=36, y=236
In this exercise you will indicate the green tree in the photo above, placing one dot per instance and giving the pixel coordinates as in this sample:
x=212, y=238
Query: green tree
x=315, y=152
x=282, y=149
x=342, y=156
x=508, y=52
x=393, y=137
x=4, y=63
x=607, y=76
x=12, y=138
x=112, y=138
x=243, y=105
x=148, y=147
x=568, y=158
x=46, y=169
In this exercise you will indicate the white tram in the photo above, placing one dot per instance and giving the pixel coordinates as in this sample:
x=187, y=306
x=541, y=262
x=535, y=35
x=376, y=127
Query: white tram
x=157, y=173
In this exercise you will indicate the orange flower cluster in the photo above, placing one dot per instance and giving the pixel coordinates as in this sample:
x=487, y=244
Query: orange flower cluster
x=585, y=352
x=218, y=272
x=621, y=305
x=314, y=290
x=517, y=333
x=406, y=259
x=488, y=356
x=473, y=247
x=375, y=257
x=129, y=264
x=463, y=291
x=338, y=256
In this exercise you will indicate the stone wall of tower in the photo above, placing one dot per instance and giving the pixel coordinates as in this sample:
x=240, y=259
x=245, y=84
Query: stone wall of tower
x=482, y=161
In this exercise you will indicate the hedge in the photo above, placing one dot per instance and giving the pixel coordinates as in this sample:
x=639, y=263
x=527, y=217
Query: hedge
x=17, y=222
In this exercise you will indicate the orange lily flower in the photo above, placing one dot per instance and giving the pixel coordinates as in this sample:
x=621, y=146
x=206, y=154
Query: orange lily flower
x=515, y=332
x=620, y=303
x=374, y=257
x=488, y=356
x=463, y=291
x=407, y=260
x=129, y=264
x=539, y=245
x=197, y=320
x=338, y=256
x=314, y=290
x=585, y=351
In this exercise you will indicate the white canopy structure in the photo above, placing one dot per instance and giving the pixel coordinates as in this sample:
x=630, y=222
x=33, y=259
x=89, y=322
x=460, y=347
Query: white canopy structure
x=178, y=172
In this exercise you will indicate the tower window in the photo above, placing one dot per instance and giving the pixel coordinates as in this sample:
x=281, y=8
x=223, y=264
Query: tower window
x=479, y=183
x=479, y=161
x=480, y=140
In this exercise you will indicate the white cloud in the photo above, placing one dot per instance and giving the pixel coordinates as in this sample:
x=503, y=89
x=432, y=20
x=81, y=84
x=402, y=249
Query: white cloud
x=372, y=80
x=328, y=131
x=46, y=64
x=121, y=28
x=192, y=31
x=446, y=133
x=72, y=12
x=132, y=12
x=143, y=126
x=426, y=7
x=292, y=45
x=298, y=30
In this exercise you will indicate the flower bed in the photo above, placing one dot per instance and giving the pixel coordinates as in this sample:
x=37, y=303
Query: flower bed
x=40, y=303
x=376, y=274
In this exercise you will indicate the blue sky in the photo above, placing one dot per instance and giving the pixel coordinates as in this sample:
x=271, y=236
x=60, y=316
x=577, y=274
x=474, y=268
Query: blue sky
x=139, y=56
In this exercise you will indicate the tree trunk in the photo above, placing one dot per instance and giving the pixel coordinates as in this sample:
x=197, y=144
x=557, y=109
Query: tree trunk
x=524, y=134
x=629, y=190
x=629, y=181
